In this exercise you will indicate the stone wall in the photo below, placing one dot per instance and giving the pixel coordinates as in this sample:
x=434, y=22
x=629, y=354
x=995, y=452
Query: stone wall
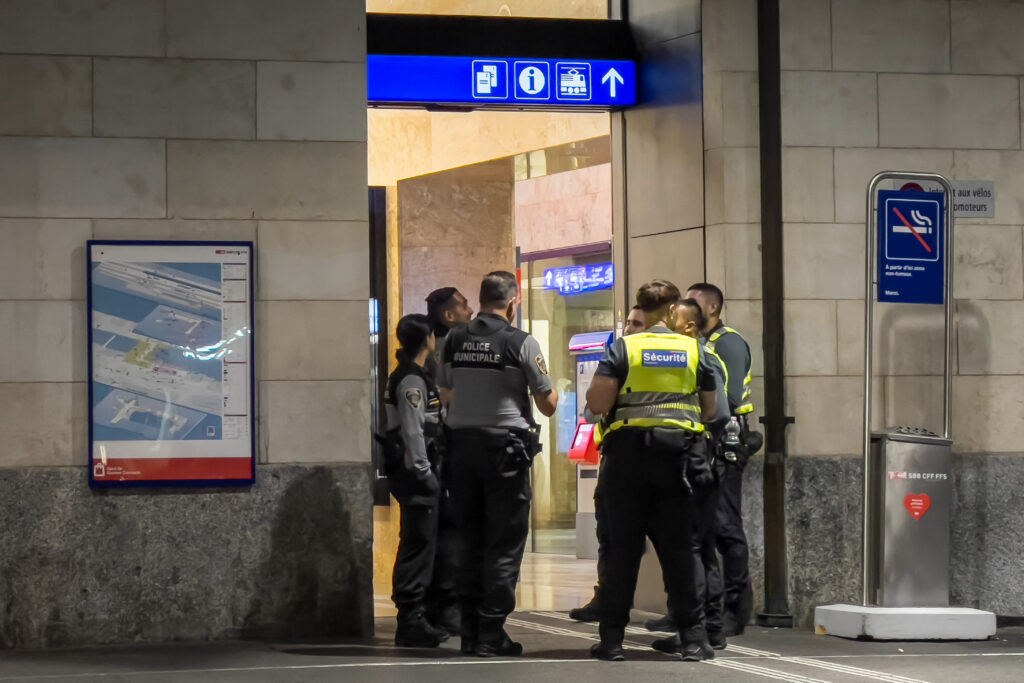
x=846, y=82
x=184, y=119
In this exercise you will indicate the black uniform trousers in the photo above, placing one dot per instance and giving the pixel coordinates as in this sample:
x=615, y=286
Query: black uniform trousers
x=492, y=506
x=706, y=558
x=732, y=545
x=643, y=493
x=442, y=592
x=414, y=564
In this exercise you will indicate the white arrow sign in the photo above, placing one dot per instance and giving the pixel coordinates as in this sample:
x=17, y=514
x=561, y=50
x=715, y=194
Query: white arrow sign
x=613, y=76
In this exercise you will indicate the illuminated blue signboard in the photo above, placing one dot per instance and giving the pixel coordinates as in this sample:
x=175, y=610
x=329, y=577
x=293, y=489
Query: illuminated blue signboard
x=579, y=279
x=596, y=83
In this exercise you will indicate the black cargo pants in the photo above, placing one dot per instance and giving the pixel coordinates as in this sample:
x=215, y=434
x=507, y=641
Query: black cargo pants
x=732, y=545
x=492, y=509
x=643, y=492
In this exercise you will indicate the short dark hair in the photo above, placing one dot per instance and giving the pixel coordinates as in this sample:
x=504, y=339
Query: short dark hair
x=438, y=303
x=498, y=287
x=656, y=295
x=708, y=288
x=636, y=307
x=695, y=310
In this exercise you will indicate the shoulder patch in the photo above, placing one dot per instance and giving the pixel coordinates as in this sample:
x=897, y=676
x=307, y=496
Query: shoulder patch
x=414, y=397
x=541, y=365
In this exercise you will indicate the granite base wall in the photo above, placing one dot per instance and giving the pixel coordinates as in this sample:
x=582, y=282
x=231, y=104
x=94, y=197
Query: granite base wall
x=823, y=532
x=289, y=557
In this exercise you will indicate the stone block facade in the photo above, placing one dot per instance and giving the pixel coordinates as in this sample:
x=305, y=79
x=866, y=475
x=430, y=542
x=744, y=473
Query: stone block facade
x=186, y=120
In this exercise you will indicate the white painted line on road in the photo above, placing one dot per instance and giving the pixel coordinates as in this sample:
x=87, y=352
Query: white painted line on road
x=556, y=631
x=636, y=630
x=747, y=667
x=852, y=670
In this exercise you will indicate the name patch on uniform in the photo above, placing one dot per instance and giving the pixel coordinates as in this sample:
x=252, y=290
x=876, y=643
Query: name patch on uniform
x=664, y=359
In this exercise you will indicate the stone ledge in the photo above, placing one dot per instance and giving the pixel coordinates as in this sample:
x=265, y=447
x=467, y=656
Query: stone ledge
x=290, y=557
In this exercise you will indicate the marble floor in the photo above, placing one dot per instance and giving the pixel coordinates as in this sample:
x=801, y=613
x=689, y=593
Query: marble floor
x=547, y=582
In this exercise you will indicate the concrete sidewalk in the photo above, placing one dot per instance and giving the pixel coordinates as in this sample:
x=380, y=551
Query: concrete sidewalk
x=556, y=651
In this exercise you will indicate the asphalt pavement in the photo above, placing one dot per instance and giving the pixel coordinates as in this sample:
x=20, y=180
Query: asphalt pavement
x=556, y=651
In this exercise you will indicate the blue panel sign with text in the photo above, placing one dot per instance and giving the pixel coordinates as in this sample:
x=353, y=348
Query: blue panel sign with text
x=579, y=279
x=911, y=231
x=501, y=81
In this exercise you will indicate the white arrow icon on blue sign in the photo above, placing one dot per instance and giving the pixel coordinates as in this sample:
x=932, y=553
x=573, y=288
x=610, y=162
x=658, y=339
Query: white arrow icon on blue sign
x=613, y=76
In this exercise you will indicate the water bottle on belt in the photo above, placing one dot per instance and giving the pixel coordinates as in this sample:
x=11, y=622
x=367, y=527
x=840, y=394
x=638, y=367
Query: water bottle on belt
x=731, y=440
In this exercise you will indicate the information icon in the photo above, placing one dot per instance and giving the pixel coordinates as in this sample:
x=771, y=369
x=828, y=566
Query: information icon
x=533, y=80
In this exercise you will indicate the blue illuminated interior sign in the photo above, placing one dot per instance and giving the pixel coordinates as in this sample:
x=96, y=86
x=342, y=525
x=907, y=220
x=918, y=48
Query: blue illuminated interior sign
x=579, y=279
x=595, y=83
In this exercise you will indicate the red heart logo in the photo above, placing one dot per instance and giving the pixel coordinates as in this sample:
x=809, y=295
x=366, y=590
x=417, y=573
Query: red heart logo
x=917, y=504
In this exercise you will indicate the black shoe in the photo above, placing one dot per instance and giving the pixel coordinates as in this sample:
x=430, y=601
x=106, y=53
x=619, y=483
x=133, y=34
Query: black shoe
x=417, y=632
x=506, y=647
x=697, y=652
x=468, y=647
x=449, y=619
x=665, y=624
x=609, y=653
x=589, y=612
x=717, y=641
x=732, y=626
x=671, y=645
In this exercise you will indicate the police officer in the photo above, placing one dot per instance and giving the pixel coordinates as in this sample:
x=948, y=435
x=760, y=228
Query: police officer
x=689, y=321
x=412, y=456
x=731, y=539
x=591, y=611
x=447, y=308
x=656, y=388
x=487, y=368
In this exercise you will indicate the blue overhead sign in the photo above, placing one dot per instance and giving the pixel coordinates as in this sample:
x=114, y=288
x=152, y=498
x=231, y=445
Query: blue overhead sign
x=911, y=233
x=579, y=279
x=571, y=83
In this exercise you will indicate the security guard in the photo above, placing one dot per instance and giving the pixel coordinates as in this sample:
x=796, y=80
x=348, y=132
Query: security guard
x=487, y=367
x=447, y=308
x=689, y=321
x=656, y=388
x=412, y=457
x=731, y=539
x=635, y=322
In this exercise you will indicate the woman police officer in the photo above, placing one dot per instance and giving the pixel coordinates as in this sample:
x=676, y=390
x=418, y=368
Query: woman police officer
x=412, y=459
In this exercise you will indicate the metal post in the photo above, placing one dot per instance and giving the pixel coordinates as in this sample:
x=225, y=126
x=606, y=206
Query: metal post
x=869, y=559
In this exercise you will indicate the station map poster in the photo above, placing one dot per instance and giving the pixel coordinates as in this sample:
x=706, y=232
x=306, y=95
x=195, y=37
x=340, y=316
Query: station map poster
x=171, y=381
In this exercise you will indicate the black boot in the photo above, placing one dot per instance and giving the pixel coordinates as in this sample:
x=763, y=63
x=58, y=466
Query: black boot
x=448, y=618
x=717, y=640
x=666, y=624
x=732, y=625
x=589, y=612
x=415, y=631
x=502, y=647
x=697, y=652
x=670, y=646
x=610, y=647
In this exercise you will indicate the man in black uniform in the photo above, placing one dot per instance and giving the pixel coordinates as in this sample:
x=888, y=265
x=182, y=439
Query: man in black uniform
x=731, y=539
x=487, y=368
x=447, y=308
x=656, y=390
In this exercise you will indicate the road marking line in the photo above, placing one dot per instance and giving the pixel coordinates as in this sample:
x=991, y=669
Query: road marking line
x=636, y=630
x=852, y=670
x=751, y=651
x=557, y=631
x=746, y=667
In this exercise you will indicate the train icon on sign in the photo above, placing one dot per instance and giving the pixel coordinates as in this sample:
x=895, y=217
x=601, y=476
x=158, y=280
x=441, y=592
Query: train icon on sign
x=574, y=82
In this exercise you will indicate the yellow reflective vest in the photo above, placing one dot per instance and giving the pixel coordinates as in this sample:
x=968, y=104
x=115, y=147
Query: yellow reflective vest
x=746, y=405
x=661, y=387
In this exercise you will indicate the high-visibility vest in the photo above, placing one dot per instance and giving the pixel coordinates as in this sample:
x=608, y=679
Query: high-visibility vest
x=661, y=387
x=746, y=405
